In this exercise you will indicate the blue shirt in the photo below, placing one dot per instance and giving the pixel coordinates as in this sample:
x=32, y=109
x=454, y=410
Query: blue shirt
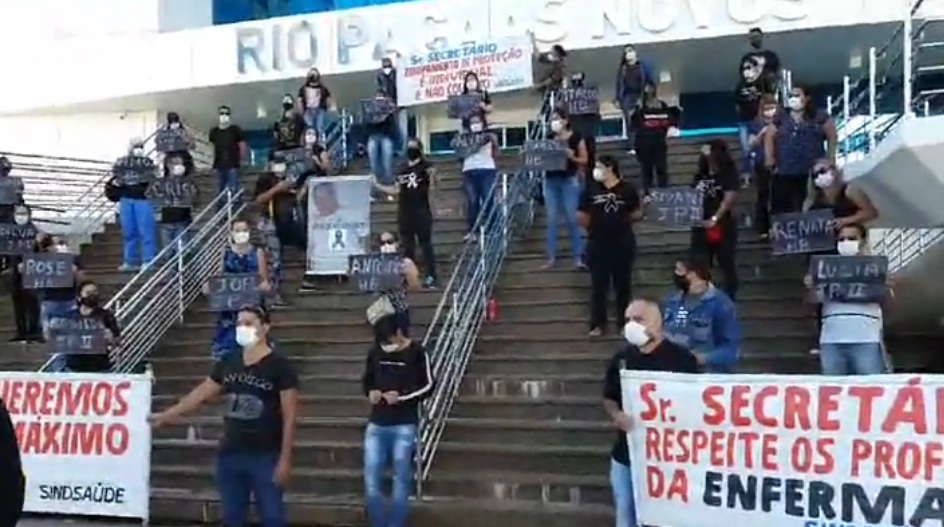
x=707, y=325
x=799, y=144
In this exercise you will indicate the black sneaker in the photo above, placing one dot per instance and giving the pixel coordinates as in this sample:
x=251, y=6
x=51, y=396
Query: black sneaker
x=36, y=339
x=18, y=339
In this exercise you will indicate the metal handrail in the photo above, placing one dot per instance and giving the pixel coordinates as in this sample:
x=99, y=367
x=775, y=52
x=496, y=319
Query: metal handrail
x=460, y=313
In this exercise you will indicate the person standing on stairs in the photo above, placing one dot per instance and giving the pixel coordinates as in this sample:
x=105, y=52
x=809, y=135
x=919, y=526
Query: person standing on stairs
x=259, y=422
x=632, y=76
x=229, y=148
x=380, y=139
x=479, y=173
x=562, y=190
x=25, y=304
x=314, y=102
x=757, y=134
x=702, y=318
x=415, y=181
x=12, y=479
x=607, y=212
x=767, y=62
x=177, y=213
x=276, y=196
x=387, y=83
x=472, y=85
x=647, y=349
x=132, y=175
x=651, y=124
x=793, y=146
x=289, y=130
x=411, y=281
x=717, y=237
x=56, y=302
x=241, y=257
x=397, y=378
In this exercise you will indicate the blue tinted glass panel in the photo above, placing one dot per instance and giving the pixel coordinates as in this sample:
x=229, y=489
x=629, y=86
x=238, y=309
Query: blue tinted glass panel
x=515, y=136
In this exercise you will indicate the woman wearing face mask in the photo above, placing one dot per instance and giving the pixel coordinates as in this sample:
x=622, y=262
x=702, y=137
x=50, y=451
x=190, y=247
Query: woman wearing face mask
x=56, y=301
x=315, y=101
x=90, y=307
x=25, y=303
x=757, y=133
x=717, y=237
x=320, y=167
x=850, y=339
x=554, y=72
x=289, y=130
x=471, y=84
x=411, y=282
x=275, y=199
x=241, y=257
x=849, y=205
x=607, y=212
x=177, y=211
x=702, y=318
x=176, y=126
x=254, y=463
x=415, y=181
x=380, y=137
x=793, y=146
x=562, y=190
x=479, y=172
x=650, y=124
x=632, y=78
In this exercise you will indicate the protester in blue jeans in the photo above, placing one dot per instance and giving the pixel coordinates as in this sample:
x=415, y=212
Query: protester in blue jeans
x=396, y=379
x=175, y=195
x=314, y=99
x=479, y=171
x=562, y=190
x=241, y=257
x=647, y=350
x=633, y=76
x=850, y=341
x=132, y=175
x=56, y=302
x=702, y=318
x=380, y=139
x=229, y=148
x=255, y=456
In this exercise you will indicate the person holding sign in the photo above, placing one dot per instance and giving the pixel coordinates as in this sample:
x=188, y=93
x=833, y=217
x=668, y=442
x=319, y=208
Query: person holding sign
x=11, y=191
x=132, y=174
x=177, y=194
x=648, y=350
x=90, y=313
x=315, y=101
x=12, y=479
x=398, y=295
x=25, y=303
x=260, y=388
x=717, y=237
x=396, y=380
x=241, y=257
x=650, y=125
x=381, y=133
x=850, y=339
x=479, y=172
x=850, y=205
x=702, y=318
x=60, y=300
x=182, y=144
x=607, y=212
x=415, y=180
x=562, y=190
x=472, y=86
x=290, y=128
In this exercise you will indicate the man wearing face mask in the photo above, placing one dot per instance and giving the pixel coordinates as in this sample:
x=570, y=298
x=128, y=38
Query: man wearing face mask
x=555, y=70
x=647, y=350
x=260, y=385
x=314, y=100
x=133, y=174
x=632, y=77
x=607, y=212
x=229, y=147
x=25, y=303
x=702, y=318
x=850, y=340
x=387, y=83
x=767, y=61
x=289, y=130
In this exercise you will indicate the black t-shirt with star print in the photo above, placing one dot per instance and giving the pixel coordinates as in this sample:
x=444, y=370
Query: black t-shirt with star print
x=413, y=183
x=610, y=209
x=712, y=188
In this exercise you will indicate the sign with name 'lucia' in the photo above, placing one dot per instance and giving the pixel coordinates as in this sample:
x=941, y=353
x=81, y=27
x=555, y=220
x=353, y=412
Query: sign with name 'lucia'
x=854, y=279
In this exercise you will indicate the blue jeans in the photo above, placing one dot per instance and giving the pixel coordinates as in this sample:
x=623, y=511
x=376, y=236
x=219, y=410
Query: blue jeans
x=50, y=309
x=138, y=231
x=384, y=445
x=403, y=129
x=624, y=501
x=860, y=358
x=315, y=119
x=479, y=196
x=171, y=231
x=227, y=179
x=628, y=104
x=239, y=475
x=380, y=157
x=744, y=138
x=561, y=197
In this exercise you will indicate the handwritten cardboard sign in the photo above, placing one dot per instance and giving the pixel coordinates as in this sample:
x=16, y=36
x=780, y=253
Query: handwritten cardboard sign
x=173, y=191
x=377, y=109
x=468, y=143
x=230, y=292
x=48, y=271
x=676, y=207
x=11, y=190
x=463, y=106
x=133, y=170
x=77, y=335
x=297, y=162
x=171, y=140
x=375, y=272
x=545, y=154
x=17, y=239
x=581, y=101
x=803, y=232
x=856, y=279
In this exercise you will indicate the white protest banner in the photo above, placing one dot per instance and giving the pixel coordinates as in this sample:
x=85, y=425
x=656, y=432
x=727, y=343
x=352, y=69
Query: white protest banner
x=786, y=450
x=432, y=76
x=84, y=440
x=338, y=222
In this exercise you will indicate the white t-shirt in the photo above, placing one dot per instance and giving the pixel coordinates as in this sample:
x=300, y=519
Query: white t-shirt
x=480, y=160
x=848, y=323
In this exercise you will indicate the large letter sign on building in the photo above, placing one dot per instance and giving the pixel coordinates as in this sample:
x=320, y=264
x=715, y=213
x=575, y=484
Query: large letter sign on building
x=279, y=47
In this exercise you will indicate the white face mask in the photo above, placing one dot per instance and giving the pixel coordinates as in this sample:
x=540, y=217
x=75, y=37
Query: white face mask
x=475, y=127
x=387, y=71
x=137, y=152
x=598, y=174
x=824, y=180
x=278, y=168
x=795, y=104
x=62, y=248
x=224, y=120
x=557, y=125
x=770, y=114
x=635, y=333
x=240, y=237
x=310, y=139
x=246, y=336
x=472, y=85
x=174, y=126
x=388, y=248
x=388, y=347
x=21, y=219
x=847, y=248
x=631, y=57
x=178, y=170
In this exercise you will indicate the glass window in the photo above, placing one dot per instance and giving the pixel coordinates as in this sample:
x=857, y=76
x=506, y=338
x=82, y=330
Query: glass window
x=515, y=136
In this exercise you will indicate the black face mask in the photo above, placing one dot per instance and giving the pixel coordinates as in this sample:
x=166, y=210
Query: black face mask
x=287, y=106
x=756, y=44
x=681, y=282
x=89, y=301
x=413, y=153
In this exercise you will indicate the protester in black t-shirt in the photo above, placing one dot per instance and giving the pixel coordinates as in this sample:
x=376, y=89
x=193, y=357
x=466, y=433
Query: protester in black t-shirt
x=174, y=123
x=415, y=180
x=586, y=125
x=289, y=130
x=6, y=209
x=276, y=197
x=650, y=124
x=12, y=479
x=314, y=100
x=607, y=211
x=176, y=216
x=562, y=190
x=25, y=303
x=229, y=147
x=380, y=138
x=767, y=61
x=261, y=390
x=56, y=301
x=716, y=238
x=90, y=307
x=396, y=379
x=647, y=350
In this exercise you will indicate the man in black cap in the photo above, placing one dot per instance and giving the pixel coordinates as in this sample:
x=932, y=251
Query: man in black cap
x=12, y=481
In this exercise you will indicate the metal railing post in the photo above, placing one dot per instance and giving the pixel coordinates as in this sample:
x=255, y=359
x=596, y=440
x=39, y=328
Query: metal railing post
x=872, y=97
x=908, y=64
x=506, y=209
x=179, y=256
x=846, y=91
